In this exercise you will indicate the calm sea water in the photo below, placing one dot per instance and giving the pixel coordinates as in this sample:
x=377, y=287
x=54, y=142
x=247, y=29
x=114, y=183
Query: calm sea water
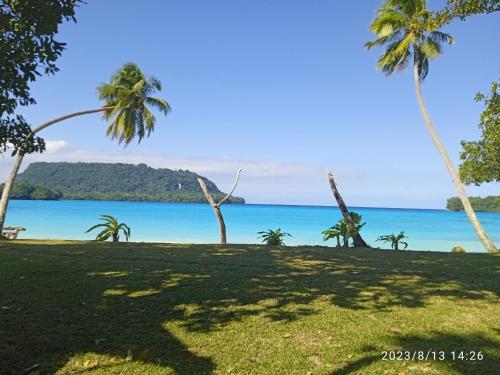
x=195, y=223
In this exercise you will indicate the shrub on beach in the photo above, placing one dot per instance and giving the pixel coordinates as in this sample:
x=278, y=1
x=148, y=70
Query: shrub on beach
x=458, y=249
x=273, y=237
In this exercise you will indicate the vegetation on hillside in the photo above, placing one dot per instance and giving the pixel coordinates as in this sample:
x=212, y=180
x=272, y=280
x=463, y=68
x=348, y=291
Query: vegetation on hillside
x=28, y=191
x=489, y=203
x=110, y=181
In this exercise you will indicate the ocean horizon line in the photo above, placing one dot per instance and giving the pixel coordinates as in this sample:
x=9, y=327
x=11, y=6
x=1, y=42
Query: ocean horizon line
x=247, y=204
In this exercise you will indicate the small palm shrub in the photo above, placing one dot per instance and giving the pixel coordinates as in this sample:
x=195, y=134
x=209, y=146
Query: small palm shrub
x=111, y=229
x=342, y=230
x=395, y=240
x=273, y=237
x=458, y=249
x=332, y=232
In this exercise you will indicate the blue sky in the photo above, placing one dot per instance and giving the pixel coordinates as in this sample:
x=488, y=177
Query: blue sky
x=281, y=88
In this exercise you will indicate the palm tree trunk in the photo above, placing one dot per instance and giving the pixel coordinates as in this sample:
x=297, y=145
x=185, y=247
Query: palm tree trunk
x=115, y=237
x=483, y=237
x=357, y=239
x=4, y=200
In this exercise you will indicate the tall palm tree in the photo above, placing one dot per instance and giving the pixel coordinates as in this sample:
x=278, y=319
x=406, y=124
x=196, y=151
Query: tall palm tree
x=127, y=99
x=407, y=29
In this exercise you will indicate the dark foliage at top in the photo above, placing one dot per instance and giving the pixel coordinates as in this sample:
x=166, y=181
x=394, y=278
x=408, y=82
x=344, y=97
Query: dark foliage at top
x=28, y=50
x=116, y=181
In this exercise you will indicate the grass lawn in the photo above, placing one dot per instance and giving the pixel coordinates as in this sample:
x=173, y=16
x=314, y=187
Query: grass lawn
x=133, y=308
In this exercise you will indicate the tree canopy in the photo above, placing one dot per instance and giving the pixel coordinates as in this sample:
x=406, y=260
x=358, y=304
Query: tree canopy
x=406, y=29
x=28, y=49
x=481, y=159
x=465, y=8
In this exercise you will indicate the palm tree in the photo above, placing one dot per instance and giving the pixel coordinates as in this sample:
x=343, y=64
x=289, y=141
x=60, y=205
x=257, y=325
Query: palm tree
x=111, y=229
x=395, y=240
x=127, y=99
x=408, y=30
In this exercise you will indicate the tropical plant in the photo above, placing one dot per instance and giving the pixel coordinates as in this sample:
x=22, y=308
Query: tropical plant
x=111, y=229
x=126, y=101
x=409, y=30
x=332, y=232
x=395, y=240
x=273, y=237
x=342, y=229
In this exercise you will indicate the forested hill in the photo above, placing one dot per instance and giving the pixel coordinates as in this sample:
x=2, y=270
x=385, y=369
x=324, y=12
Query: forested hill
x=116, y=181
x=490, y=203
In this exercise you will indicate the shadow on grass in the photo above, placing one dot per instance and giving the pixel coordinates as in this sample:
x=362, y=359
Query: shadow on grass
x=62, y=300
x=459, y=354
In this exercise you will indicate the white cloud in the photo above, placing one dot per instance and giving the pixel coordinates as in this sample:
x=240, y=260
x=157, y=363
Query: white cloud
x=53, y=147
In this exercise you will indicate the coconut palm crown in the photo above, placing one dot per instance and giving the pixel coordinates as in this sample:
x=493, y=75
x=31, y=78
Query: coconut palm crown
x=127, y=97
x=407, y=28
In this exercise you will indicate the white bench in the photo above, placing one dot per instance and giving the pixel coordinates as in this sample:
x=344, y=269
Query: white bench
x=11, y=232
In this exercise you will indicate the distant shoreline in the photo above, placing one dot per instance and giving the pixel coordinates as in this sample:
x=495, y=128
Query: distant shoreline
x=240, y=204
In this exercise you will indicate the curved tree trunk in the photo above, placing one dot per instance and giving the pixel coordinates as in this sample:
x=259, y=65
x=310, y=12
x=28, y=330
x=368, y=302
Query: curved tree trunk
x=483, y=237
x=4, y=201
x=357, y=239
x=216, y=206
x=222, y=225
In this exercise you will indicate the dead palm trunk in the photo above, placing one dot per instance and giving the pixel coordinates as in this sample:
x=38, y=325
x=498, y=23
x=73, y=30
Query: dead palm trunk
x=4, y=200
x=357, y=239
x=216, y=206
x=487, y=243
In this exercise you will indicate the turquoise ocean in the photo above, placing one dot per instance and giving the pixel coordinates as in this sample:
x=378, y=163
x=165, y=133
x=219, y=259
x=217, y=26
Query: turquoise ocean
x=437, y=230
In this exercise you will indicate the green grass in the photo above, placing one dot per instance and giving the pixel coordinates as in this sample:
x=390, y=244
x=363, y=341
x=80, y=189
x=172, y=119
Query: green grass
x=131, y=308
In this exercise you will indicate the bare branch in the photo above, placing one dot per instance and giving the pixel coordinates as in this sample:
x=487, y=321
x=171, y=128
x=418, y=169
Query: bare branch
x=234, y=187
x=205, y=191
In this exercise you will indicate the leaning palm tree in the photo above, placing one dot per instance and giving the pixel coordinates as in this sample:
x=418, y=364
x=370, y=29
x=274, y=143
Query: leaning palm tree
x=127, y=102
x=408, y=30
x=111, y=229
